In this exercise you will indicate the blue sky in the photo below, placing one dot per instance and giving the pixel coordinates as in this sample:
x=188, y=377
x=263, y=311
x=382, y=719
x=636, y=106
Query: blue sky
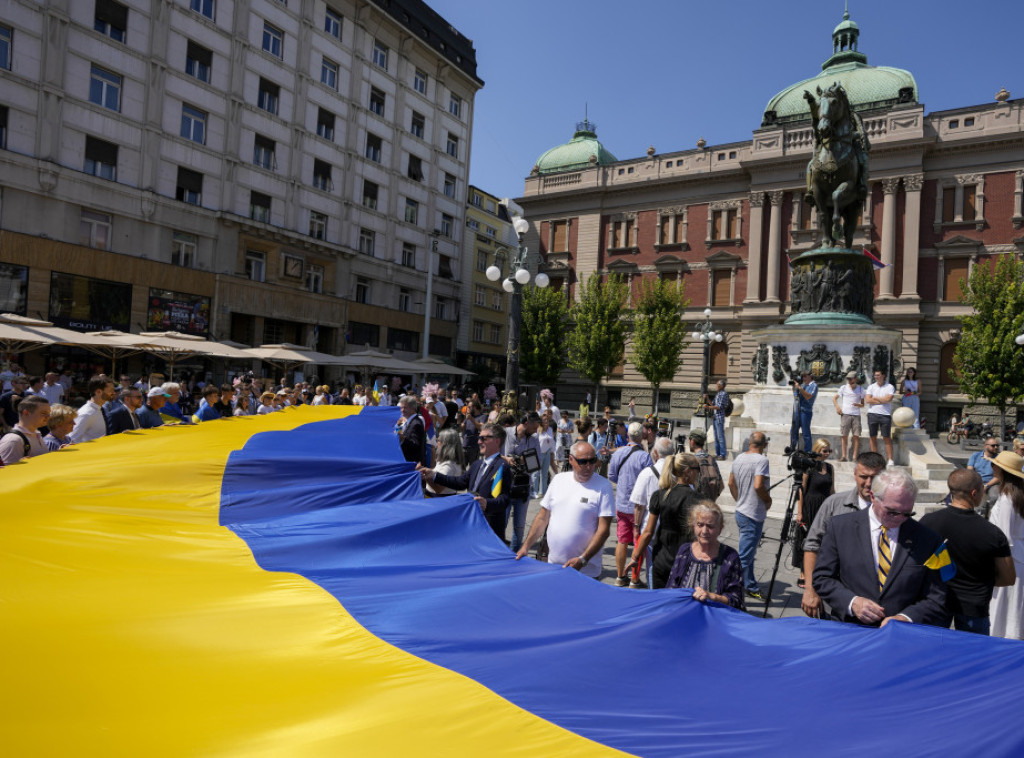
x=666, y=72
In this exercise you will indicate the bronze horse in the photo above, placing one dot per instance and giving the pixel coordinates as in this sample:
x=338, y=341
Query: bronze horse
x=837, y=173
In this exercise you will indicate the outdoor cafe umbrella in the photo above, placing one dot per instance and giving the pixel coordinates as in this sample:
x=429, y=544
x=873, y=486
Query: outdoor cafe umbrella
x=174, y=346
x=287, y=356
x=433, y=365
x=19, y=334
x=113, y=344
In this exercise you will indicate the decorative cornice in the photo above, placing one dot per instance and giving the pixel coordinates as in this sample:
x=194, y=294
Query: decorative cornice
x=725, y=205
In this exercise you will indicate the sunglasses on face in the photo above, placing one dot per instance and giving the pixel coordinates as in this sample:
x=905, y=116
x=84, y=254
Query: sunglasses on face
x=584, y=461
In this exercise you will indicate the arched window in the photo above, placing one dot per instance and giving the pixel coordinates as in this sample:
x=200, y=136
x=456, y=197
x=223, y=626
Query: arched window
x=946, y=369
x=719, y=361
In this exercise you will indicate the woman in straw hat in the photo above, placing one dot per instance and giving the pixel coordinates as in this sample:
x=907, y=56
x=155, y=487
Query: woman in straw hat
x=1006, y=610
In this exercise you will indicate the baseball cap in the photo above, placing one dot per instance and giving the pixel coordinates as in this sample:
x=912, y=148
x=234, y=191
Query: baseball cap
x=157, y=392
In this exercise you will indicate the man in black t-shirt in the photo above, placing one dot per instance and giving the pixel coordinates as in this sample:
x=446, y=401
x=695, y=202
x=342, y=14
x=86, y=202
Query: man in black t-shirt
x=978, y=549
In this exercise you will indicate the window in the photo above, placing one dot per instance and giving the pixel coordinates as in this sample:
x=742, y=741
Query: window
x=670, y=229
x=408, y=255
x=620, y=234
x=479, y=295
x=318, y=225
x=193, y=124
x=94, y=230
x=325, y=125
x=441, y=308
x=380, y=55
x=367, y=242
x=190, y=186
x=970, y=196
x=415, y=171
x=475, y=198
x=490, y=231
x=3, y=127
x=447, y=222
x=329, y=73
x=721, y=285
x=255, y=265
x=481, y=260
x=449, y=185
x=725, y=224
x=183, y=249
x=259, y=207
x=273, y=40
x=101, y=158
x=453, y=145
x=332, y=23
x=455, y=105
x=412, y=211
x=198, y=61
x=495, y=334
x=948, y=205
x=111, y=19
x=263, y=152
x=969, y=121
x=559, y=236
x=373, y=147
x=947, y=368
x=364, y=334
x=269, y=96
x=404, y=300
x=954, y=269
x=6, y=36
x=377, y=99
x=961, y=200
x=478, y=331
x=370, y=194
x=418, y=124
x=444, y=267
x=362, y=290
x=664, y=402
x=419, y=82
x=403, y=339
x=315, y=278
x=473, y=224
x=204, y=7
x=497, y=300
x=322, y=175
x=104, y=88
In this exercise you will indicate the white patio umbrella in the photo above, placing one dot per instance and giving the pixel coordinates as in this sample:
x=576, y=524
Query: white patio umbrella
x=113, y=344
x=287, y=356
x=433, y=365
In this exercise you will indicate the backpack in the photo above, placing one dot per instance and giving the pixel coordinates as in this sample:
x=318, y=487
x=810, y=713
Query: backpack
x=728, y=406
x=709, y=480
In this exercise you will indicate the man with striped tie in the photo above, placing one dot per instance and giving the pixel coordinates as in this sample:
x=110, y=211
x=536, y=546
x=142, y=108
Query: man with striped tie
x=870, y=567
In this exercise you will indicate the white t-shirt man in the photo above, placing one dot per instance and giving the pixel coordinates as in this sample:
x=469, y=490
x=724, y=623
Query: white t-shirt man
x=576, y=508
x=876, y=390
x=848, y=396
x=745, y=468
x=646, y=485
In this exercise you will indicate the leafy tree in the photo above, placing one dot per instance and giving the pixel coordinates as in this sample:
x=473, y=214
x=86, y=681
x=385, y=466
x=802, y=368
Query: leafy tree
x=989, y=364
x=658, y=334
x=545, y=323
x=598, y=342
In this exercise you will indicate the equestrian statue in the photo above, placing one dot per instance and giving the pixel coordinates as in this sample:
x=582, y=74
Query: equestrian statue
x=837, y=175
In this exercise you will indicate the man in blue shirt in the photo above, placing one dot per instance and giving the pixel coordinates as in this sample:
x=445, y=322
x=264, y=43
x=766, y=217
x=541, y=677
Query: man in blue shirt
x=718, y=419
x=206, y=412
x=625, y=466
x=804, y=394
x=981, y=462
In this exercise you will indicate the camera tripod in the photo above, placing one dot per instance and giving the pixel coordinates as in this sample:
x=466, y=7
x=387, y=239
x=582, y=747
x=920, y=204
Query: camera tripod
x=787, y=521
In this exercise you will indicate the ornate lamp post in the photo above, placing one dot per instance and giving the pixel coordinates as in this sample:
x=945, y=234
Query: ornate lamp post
x=518, y=275
x=705, y=332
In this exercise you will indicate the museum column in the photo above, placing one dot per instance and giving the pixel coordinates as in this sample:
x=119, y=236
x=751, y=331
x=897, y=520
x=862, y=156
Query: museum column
x=774, y=246
x=888, y=274
x=754, y=249
x=911, y=233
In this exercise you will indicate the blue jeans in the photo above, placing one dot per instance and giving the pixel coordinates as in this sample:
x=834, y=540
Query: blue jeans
x=539, y=479
x=517, y=508
x=719, y=424
x=976, y=624
x=801, y=424
x=750, y=535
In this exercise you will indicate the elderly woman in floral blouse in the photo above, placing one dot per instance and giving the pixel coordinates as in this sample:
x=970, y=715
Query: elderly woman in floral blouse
x=712, y=570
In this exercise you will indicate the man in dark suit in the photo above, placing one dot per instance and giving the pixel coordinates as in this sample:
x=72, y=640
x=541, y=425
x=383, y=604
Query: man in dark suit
x=488, y=478
x=413, y=434
x=121, y=416
x=870, y=567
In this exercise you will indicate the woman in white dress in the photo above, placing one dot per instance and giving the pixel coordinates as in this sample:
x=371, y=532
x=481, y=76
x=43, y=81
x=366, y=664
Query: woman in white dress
x=1006, y=611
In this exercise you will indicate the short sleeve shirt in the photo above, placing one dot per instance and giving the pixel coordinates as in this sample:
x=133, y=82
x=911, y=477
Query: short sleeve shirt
x=805, y=404
x=874, y=390
x=982, y=465
x=848, y=396
x=576, y=509
x=745, y=468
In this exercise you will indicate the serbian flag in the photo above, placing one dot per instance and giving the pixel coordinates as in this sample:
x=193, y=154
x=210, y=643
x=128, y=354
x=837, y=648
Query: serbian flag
x=496, y=487
x=874, y=260
x=941, y=562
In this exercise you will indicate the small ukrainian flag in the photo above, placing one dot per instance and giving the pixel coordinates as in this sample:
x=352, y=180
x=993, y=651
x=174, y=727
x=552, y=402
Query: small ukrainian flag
x=496, y=486
x=941, y=561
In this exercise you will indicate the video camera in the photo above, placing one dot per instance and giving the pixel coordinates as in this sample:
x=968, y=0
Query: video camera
x=801, y=462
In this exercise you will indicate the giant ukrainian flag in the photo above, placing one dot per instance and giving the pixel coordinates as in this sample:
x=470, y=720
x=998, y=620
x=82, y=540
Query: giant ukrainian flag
x=276, y=585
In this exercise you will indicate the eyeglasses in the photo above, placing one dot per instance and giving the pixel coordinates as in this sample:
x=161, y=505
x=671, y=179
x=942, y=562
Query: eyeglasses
x=584, y=461
x=485, y=437
x=826, y=451
x=898, y=514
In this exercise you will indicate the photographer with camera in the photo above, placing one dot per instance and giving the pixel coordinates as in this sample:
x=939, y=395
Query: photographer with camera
x=805, y=392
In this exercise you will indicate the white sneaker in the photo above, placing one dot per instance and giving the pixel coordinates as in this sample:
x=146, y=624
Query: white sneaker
x=890, y=464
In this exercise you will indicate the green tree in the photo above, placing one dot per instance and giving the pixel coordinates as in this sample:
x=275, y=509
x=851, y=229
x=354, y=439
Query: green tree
x=545, y=322
x=658, y=334
x=597, y=344
x=989, y=364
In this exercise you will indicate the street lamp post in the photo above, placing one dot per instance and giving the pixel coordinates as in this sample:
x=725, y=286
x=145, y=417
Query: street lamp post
x=705, y=332
x=518, y=276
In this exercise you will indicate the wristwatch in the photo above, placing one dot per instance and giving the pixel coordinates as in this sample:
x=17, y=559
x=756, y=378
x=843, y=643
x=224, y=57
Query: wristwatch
x=583, y=561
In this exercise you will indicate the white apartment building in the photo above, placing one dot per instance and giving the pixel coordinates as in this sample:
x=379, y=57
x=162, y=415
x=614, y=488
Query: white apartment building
x=264, y=171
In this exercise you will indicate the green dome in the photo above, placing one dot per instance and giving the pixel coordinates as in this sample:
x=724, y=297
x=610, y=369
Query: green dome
x=582, y=151
x=867, y=86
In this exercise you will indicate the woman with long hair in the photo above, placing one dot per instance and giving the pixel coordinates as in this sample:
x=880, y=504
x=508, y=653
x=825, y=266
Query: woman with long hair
x=1006, y=610
x=910, y=389
x=242, y=405
x=818, y=484
x=448, y=459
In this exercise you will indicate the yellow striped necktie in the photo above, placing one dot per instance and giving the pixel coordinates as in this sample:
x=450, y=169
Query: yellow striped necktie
x=884, y=557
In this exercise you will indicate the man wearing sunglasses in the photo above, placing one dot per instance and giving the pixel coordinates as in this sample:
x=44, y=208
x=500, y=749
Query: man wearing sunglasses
x=488, y=479
x=870, y=569
x=577, y=513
